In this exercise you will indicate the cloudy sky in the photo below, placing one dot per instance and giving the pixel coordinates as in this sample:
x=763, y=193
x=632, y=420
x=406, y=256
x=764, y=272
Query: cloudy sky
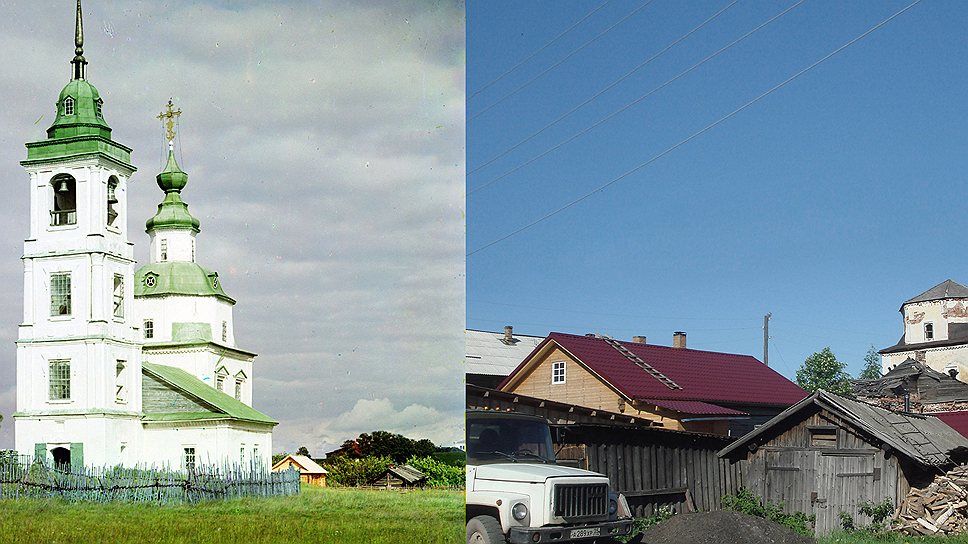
x=325, y=147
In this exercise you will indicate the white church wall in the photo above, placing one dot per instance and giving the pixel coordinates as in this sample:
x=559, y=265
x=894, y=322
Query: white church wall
x=214, y=444
x=102, y=437
x=180, y=245
x=164, y=311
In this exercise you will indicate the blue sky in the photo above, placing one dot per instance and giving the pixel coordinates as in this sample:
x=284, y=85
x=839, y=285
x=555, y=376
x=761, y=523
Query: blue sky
x=827, y=203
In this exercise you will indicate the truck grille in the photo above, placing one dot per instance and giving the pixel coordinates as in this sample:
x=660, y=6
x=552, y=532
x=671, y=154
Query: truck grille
x=579, y=501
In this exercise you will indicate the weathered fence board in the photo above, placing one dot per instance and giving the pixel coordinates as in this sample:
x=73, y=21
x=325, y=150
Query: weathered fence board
x=21, y=478
x=654, y=467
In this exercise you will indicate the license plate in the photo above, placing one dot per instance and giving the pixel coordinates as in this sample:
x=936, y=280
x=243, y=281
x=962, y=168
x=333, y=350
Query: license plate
x=585, y=533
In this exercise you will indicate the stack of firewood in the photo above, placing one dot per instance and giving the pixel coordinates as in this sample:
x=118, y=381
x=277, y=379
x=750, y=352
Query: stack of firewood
x=940, y=508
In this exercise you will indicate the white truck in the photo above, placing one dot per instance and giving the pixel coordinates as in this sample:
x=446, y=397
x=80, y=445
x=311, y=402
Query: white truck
x=517, y=493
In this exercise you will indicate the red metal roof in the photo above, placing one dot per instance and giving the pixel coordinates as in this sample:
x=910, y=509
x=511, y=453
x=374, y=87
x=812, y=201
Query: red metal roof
x=956, y=420
x=706, y=376
x=694, y=407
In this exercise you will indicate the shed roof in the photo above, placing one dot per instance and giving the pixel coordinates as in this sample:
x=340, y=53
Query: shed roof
x=946, y=289
x=914, y=377
x=487, y=352
x=305, y=464
x=406, y=473
x=923, y=439
x=705, y=376
x=223, y=405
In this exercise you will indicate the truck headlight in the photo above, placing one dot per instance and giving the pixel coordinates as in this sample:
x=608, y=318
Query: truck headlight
x=612, y=507
x=519, y=511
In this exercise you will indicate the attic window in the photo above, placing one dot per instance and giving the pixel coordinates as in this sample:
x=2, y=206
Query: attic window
x=558, y=372
x=68, y=106
x=823, y=437
x=97, y=108
x=928, y=331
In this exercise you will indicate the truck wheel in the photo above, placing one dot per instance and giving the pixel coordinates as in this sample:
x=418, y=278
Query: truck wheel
x=484, y=530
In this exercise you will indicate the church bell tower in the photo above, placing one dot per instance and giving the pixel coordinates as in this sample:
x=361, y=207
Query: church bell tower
x=78, y=351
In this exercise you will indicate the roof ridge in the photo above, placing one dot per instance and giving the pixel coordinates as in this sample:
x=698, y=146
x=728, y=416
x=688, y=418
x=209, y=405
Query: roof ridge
x=658, y=345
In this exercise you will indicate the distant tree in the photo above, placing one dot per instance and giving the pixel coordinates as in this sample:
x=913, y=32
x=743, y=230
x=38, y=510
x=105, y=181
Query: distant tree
x=395, y=447
x=872, y=365
x=303, y=451
x=822, y=370
x=276, y=457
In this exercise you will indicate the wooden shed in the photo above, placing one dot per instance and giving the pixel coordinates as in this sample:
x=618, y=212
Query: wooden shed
x=309, y=471
x=828, y=454
x=401, y=476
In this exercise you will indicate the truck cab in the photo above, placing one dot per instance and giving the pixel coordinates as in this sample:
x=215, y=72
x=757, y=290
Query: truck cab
x=518, y=494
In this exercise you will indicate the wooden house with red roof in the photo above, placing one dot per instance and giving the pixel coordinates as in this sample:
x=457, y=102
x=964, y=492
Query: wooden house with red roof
x=679, y=388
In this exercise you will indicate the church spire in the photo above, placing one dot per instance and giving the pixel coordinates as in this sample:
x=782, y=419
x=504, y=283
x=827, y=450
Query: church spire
x=79, y=62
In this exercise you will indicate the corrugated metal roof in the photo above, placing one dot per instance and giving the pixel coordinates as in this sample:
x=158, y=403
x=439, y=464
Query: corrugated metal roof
x=945, y=289
x=486, y=353
x=706, y=376
x=407, y=473
x=924, y=439
x=694, y=407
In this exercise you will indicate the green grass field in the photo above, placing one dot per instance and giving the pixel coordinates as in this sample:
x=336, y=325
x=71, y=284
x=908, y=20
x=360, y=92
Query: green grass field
x=316, y=515
x=861, y=538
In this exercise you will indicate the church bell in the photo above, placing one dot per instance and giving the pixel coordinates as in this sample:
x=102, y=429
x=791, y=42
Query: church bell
x=62, y=186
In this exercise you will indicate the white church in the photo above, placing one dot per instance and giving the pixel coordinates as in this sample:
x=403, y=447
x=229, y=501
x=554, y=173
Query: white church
x=118, y=366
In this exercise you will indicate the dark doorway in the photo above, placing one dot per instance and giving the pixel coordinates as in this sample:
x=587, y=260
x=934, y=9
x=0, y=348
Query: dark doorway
x=62, y=457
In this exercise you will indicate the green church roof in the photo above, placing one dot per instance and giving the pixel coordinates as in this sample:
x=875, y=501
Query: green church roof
x=172, y=212
x=223, y=406
x=178, y=278
x=79, y=127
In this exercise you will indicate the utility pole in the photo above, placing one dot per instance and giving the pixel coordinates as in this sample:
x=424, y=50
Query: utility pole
x=766, y=338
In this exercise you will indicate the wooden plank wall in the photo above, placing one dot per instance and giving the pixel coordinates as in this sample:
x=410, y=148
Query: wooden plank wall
x=654, y=468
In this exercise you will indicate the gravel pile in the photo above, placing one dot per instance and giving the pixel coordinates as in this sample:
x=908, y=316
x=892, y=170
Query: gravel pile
x=720, y=528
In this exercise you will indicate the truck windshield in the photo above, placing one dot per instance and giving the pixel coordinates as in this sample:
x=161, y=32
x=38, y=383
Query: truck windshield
x=495, y=440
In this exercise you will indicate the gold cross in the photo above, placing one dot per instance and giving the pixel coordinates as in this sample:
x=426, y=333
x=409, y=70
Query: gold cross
x=168, y=121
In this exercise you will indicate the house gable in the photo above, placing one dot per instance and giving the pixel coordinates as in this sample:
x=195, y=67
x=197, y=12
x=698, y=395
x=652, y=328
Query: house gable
x=581, y=386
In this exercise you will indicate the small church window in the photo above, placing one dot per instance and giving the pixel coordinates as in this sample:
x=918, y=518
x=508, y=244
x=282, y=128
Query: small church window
x=238, y=389
x=558, y=372
x=118, y=295
x=928, y=331
x=60, y=293
x=119, y=379
x=149, y=328
x=164, y=250
x=220, y=376
x=68, y=106
x=225, y=331
x=242, y=453
x=189, y=459
x=98, y=105
x=60, y=380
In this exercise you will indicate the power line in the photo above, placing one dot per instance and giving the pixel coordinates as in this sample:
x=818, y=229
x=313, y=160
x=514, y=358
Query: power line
x=636, y=101
x=560, y=62
x=540, y=49
x=700, y=132
x=609, y=86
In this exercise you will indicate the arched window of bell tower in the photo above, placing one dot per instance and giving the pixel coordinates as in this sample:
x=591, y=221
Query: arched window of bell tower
x=112, y=200
x=68, y=106
x=64, y=210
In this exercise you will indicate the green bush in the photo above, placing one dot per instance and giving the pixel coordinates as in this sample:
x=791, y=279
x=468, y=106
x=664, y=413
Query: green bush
x=746, y=502
x=347, y=471
x=439, y=474
x=879, y=512
x=640, y=524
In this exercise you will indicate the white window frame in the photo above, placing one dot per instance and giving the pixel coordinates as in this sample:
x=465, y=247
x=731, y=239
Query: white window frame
x=163, y=250
x=189, y=457
x=149, y=329
x=59, y=380
x=118, y=297
x=557, y=372
x=120, y=377
x=69, y=105
x=62, y=297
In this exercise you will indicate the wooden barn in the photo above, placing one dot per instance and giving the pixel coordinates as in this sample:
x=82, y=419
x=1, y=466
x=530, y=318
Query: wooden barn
x=309, y=471
x=828, y=454
x=401, y=476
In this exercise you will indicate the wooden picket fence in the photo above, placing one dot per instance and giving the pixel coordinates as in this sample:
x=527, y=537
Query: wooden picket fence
x=142, y=484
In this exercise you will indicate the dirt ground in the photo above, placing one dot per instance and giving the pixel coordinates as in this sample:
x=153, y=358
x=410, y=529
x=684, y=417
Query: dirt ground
x=719, y=528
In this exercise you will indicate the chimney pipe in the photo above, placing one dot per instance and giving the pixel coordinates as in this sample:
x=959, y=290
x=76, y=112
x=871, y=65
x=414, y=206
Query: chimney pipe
x=507, y=333
x=679, y=340
x=638, y=339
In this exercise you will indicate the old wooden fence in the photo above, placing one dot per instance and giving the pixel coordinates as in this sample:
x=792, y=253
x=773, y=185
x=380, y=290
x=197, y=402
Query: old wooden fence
x=142, y=485
x=655, y=467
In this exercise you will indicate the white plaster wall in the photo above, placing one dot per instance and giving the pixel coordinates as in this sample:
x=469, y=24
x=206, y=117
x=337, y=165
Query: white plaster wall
x=940, y=359
x=214, y=443
x=186, y=309
x=102, y=437
x=918, y=313
x=180, y=245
